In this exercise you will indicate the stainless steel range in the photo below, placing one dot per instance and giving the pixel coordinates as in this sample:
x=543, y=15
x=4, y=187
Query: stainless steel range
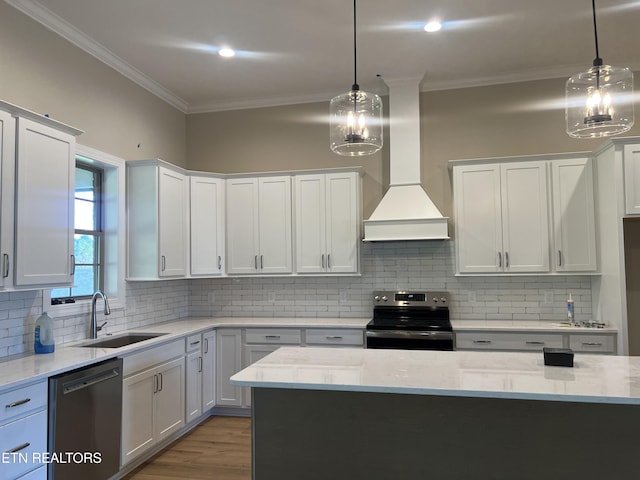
x=414, y=320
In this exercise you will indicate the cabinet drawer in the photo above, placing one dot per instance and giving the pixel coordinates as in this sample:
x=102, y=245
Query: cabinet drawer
x=193, y=342
x=507, y=341
x=338, y=336
x=27, y=438
x=592, y=343
x=281, y=336
x=152, y=357
x=23, y=400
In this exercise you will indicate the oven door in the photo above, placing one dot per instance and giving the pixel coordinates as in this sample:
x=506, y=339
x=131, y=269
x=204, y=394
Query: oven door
x=409, y=340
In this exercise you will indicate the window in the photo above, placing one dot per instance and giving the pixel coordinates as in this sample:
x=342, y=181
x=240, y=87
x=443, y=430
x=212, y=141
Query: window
x=89, y=236
x=110, y=262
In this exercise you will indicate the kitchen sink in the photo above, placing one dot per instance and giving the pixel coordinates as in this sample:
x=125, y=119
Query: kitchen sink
x=121, y=340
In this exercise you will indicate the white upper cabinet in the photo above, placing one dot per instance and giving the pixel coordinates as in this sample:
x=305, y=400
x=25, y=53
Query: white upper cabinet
x=207, y=226
x=573, y=215
x=327, y=222
x=632, y=179
x=44, y=196
x=259, y=225
x=157, y=220
x=7, y=180
x=501, y=217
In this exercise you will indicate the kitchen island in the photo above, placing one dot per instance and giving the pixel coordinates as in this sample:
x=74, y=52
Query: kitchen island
x=391, y=414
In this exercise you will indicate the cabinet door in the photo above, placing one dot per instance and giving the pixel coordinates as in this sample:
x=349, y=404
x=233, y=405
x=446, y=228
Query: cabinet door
x=573, y=215
x=207, y=221
x=275, y=254
x=242, y=226
x=342, y=216
x=310, y=223
x=7, y=182
x=228, y=363
x=193, y=389
x=632, y=179
x=137, y=414
x=208, y=370
x=525, y=221
x=253, y=353
x=169, y=399
x=172, y=223
x=44, y=226
x=478, y=218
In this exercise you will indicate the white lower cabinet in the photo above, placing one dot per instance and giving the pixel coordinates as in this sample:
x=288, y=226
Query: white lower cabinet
x=193, y=377
x=334, y=337
x=153, y=405
x=228, y=362
x=536, y=341
x=23, y=431
x=208, y=370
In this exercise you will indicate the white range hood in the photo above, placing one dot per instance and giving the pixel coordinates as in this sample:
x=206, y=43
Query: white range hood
x=405, y=212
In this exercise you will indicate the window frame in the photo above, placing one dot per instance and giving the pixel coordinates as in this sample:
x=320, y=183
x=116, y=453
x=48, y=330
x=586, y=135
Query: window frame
x=114, y=231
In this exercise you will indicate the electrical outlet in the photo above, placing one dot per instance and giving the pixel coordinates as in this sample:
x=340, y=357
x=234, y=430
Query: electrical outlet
x=471, y=297
x=271, y=297
x=211, y=298
x=343, y=296
x=548, y=297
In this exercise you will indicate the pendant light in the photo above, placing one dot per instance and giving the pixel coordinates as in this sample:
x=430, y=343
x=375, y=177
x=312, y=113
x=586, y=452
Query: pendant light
x=356, y=116
x=599, y=102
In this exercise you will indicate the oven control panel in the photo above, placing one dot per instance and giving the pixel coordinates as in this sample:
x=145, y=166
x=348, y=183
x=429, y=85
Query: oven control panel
x=411, y=298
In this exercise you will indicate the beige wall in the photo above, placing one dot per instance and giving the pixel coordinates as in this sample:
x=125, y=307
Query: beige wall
x=502, y=120
x=42, y=72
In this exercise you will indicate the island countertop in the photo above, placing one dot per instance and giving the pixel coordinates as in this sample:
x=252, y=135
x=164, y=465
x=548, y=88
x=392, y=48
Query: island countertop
x=517, y=375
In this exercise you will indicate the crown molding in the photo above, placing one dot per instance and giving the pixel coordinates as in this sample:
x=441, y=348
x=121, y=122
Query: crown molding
x=53, y=22
x=260, y=103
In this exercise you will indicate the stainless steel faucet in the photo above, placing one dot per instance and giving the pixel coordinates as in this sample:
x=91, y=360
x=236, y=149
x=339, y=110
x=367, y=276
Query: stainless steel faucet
x=94, y=320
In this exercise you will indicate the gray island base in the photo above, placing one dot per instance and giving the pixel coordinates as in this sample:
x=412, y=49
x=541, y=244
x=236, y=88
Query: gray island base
x=320, y=434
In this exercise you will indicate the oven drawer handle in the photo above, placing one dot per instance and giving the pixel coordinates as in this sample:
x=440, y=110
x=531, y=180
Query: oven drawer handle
x=482, y=342
x=410, y=335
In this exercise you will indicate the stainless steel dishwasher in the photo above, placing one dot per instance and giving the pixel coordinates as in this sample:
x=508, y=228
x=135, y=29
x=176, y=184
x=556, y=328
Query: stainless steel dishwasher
x=85, y=412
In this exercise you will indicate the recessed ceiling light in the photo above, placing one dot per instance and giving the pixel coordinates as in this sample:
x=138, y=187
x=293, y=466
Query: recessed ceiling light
x=226, y=52
x=432, y=26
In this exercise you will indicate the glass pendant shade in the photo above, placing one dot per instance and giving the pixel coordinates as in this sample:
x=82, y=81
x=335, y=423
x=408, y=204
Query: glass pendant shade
x=355, y=123
x=599, y=102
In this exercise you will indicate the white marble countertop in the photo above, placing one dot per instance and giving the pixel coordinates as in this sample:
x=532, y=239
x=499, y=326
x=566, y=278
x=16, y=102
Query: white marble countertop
x=593, y=379
x=22, y=369
x=524, y=326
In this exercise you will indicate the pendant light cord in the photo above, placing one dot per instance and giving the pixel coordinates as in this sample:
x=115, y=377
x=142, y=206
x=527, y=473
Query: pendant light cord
x=355, y=51
x=597, y=61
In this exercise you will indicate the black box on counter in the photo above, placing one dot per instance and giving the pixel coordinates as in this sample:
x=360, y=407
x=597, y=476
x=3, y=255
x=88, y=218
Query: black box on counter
x=558, y=357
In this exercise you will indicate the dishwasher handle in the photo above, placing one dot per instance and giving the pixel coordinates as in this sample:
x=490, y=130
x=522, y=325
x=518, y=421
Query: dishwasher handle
x=86, y=382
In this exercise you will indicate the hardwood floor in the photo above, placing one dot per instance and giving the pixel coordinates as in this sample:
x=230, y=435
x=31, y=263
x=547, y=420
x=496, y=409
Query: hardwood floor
x=219, y=448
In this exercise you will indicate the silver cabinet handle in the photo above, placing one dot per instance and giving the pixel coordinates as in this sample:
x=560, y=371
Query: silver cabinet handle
x=164, y=263
x=559, y=258
x=155, y=384
x=219, y=262
x=272, y=337
x=255, y=261
x=328, y=260
x=592, y=344
x=206, y=345
x=334, y=337
x=18, y=448
x=195, y=343
x=506, y=259
x=500, y=259
x=18, y=403
x=482, y=342
x=532, y=342
x=200, y=364
x=261, y=262
x=160, y=382
x=5, y=265
x=323, y=260
x=73, y=265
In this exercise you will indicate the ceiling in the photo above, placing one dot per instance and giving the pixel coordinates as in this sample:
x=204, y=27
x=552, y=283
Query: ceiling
x=293, y=51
